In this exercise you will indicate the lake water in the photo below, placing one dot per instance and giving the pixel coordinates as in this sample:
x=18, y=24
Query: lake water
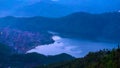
x=72, y=46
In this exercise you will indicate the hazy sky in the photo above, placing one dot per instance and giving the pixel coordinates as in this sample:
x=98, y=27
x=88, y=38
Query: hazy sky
x=8, y=7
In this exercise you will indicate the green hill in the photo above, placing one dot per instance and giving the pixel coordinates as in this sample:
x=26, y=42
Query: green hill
x=101, y=59
x=9, y=58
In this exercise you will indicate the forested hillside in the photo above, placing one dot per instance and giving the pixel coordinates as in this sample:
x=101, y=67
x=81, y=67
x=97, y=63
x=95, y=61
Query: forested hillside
x=9, y=58
x=101, y=59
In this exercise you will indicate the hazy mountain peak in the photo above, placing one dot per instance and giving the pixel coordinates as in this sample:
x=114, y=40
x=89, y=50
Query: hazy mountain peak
x=57, y=8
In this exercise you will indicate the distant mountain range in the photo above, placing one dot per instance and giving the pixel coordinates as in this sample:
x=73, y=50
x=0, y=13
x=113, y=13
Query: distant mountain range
x=29, y=32
x=99, y=27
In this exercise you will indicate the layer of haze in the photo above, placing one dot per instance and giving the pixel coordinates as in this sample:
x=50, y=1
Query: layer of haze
x=16, y=7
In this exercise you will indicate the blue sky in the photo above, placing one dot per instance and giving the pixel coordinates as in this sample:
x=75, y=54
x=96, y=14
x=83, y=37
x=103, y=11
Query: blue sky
x=12, y=7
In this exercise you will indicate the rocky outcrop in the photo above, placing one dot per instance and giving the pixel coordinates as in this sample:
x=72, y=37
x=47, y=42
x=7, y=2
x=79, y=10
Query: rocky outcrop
x=22, y=41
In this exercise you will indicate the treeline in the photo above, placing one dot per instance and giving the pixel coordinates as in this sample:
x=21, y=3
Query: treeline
x=101, y=59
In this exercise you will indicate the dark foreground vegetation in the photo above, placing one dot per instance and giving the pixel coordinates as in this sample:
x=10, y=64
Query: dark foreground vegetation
x=10, y=59
x=101, y=59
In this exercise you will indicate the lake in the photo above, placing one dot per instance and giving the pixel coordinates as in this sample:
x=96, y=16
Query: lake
x=73, y=46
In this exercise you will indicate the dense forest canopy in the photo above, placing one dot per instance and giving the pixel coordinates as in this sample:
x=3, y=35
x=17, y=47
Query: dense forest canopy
x=101, y=59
